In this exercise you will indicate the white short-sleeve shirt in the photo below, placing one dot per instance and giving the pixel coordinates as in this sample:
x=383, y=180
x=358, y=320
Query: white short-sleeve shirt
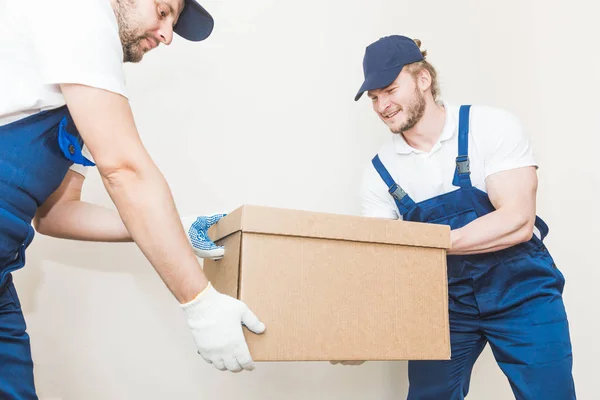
x=497, y=143
x=45, y=43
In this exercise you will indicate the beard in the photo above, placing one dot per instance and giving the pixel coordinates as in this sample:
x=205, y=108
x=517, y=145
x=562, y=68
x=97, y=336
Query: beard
x=131, y=37
x=414, y=113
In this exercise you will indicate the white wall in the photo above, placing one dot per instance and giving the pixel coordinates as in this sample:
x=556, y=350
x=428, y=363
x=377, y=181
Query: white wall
x=263, y=113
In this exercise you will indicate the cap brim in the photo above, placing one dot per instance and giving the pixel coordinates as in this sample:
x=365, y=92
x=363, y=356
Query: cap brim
x=195, y=23
x=379, y=80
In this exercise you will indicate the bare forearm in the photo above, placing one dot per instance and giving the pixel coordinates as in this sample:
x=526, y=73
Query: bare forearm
x=495, y=231
x=78, y=220
x=148, y=211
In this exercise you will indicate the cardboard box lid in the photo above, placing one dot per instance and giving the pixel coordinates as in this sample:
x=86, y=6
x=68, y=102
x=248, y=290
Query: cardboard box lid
x=287, y=222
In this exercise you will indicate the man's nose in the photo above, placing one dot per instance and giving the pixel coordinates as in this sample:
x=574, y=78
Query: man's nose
x=166, y=34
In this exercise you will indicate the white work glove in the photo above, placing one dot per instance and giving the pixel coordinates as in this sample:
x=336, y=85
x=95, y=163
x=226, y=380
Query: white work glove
x=196, y=229
x=216, y=322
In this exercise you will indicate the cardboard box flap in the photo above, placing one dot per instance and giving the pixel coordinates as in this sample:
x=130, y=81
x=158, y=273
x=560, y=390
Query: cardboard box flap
x=286, y=222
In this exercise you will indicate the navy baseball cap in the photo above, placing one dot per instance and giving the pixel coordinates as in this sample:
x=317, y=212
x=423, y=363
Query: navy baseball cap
x=195, y=23
x=384, y=59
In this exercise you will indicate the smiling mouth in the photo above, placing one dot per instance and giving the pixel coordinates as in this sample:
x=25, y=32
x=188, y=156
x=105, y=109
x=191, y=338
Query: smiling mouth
x=392, y=115
x=151, y=43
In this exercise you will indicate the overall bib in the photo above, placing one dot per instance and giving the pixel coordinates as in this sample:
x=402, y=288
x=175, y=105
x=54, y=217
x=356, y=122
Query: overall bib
x=511, y=299
x=35, y=155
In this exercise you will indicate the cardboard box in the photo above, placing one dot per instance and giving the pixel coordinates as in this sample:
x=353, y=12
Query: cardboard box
x=336, y=287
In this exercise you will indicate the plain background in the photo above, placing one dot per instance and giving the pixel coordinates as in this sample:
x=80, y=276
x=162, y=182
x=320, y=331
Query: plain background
x=263, y=113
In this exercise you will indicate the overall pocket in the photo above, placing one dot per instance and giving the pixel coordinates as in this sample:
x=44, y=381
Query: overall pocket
x=456, y=219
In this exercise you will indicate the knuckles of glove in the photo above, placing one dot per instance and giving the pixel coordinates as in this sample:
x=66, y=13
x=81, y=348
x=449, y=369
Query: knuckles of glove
x=216, y=323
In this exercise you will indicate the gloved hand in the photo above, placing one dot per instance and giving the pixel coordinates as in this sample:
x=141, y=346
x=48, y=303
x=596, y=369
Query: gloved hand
x=196, y=228
x=216, y=322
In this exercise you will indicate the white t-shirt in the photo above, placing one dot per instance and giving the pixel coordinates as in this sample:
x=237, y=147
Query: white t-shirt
x=44, y=43
x=497, y=143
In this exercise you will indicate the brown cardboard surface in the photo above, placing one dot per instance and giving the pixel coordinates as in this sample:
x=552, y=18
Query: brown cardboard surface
x=224, y=274
x=279, y=221
x=331, y=287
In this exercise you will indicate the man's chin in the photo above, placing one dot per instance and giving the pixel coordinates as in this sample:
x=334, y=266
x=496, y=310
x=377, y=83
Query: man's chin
x=134, y=59
x=395, y=128
x=134, y=55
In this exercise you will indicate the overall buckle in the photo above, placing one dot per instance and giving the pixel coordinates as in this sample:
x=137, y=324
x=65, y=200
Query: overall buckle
x=462, y=164
x=397, y=192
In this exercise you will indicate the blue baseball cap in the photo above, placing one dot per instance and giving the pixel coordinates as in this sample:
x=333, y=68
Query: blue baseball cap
x=195, y=23
x=384, y=59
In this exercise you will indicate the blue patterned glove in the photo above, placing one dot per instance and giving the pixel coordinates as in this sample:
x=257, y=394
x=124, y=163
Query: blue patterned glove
x=196, y=228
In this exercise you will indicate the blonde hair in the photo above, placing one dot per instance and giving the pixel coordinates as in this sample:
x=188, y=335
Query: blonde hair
x=417, y=67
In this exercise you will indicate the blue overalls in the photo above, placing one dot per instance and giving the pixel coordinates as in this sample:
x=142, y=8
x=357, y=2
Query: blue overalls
x=511, y=299
x=35, y=154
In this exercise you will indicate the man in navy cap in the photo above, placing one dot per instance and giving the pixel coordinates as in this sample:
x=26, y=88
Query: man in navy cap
x=472, y=168
x=63, y=85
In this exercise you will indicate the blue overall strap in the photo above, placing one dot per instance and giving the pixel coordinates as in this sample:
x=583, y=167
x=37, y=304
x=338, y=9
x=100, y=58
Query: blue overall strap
x=542, y=227
x=462, y=174
x=402, y=199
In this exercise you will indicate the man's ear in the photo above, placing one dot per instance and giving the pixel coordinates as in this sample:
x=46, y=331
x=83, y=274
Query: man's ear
x=424, y=80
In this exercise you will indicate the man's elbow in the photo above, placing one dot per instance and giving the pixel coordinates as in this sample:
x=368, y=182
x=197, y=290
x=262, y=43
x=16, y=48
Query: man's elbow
x=525, y=232
x=36, y=222
x=42, y=226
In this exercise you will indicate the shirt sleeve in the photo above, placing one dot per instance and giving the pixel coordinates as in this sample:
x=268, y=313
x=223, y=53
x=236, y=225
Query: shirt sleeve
x=77, y=41
x=375, y=200
x=503, y=141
